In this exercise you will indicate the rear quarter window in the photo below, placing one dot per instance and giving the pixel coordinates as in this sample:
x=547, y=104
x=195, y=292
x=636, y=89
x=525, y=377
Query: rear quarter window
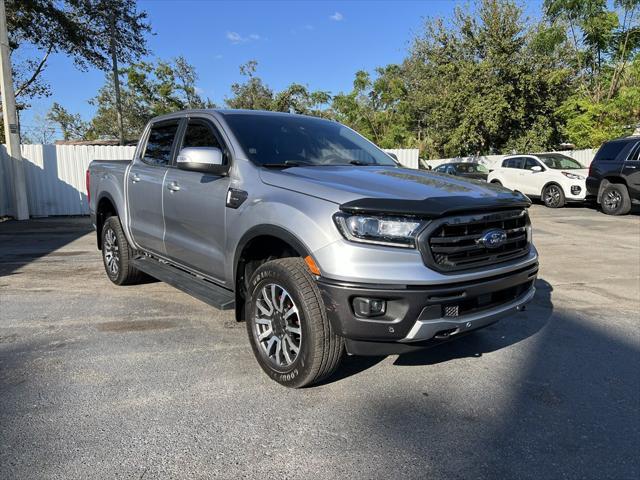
x=609, y=152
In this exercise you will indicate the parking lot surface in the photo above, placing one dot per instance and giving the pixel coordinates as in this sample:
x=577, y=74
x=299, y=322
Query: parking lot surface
x=99, y=381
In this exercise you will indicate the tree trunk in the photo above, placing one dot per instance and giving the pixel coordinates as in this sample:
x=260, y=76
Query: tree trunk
x=116, y=83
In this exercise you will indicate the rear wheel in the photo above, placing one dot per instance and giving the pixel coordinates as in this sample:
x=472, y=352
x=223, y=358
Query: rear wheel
x=287, y=325
x=615, y=200
x=553, y=196
x=117, y=255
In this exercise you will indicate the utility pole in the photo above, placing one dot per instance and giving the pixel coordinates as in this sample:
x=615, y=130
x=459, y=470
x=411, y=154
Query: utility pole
x=116, y=80
x=20, y=204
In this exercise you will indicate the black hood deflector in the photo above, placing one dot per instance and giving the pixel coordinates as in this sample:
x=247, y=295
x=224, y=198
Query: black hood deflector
x=434, y=207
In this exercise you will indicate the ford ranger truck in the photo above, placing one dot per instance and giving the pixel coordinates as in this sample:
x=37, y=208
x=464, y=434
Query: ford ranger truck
x=318, y=239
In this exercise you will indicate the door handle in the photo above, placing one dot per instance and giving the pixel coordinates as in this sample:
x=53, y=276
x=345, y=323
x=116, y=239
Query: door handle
x=173, y=186
x=134, y=178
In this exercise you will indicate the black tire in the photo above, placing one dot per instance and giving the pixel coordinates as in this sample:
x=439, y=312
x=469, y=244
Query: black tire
x=615, y=199
x=320, y=350
x=117, y=255
x=553, y=196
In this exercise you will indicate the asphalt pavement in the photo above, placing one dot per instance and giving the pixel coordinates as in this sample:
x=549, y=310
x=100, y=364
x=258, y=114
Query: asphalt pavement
x=99, y=381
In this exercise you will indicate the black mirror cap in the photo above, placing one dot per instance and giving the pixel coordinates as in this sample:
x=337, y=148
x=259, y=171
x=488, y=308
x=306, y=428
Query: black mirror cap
x=204, y=168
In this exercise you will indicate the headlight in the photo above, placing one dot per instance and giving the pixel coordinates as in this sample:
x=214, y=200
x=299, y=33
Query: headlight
x=393, y=231
x=573, y=176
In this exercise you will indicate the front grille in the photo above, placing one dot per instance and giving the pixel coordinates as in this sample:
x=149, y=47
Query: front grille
x=452, y=244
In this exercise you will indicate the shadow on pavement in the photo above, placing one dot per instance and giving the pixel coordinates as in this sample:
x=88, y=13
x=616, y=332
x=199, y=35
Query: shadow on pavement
x=23, y=242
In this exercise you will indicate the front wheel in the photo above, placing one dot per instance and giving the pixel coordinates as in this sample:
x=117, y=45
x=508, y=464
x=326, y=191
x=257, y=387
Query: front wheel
x=553, y=196
x=616, y=200
x=287, y=325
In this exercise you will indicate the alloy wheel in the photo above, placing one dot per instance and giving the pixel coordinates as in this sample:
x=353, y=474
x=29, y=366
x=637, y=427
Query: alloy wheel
x=277, y=328
x=612, y=200
x=111, y=252
x=552, y=196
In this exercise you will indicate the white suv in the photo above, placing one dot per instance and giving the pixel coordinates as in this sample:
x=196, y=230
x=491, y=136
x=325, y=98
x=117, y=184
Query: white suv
x=553, y=177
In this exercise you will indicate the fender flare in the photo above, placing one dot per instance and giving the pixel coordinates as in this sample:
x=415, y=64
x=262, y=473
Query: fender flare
x=271, y=230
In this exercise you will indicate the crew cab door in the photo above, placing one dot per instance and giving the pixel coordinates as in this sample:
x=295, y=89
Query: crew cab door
x=531, y=181
x=510, y=172
x=631, y=171
x=194, y=207
x=144, y=186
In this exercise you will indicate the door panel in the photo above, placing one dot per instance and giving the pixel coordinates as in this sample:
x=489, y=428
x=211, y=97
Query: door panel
x=194, y=214
x=530, y=182
x=144, y=187
x=195, y=208
x=631, y=171
x=145, y=205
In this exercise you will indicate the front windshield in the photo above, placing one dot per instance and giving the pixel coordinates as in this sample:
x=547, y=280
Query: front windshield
x=471, y=168
x=560, y=162
x=297, y=140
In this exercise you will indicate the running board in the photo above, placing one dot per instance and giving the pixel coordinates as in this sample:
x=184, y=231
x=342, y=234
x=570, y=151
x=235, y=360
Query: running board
x=199, y=288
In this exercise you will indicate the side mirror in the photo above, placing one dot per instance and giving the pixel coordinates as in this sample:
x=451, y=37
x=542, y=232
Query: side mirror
x=393, y=155
x=536, y=168
x=202, y=159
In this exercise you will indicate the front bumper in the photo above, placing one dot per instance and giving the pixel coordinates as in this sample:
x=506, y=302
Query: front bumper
x=419, y=315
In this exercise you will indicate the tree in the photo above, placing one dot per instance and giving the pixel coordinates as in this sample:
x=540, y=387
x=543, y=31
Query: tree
x=147, y=90
x=72, y=125
x=378, y=108
x=253, y=94
x=487, y=83
x=605, y=49
x=96, y=33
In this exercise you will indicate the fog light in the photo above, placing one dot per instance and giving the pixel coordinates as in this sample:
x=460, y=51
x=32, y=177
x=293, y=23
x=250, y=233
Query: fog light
x=575, y=189
x=369, y=307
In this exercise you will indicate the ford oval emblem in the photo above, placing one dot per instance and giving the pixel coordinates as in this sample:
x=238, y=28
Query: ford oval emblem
x=493, y=238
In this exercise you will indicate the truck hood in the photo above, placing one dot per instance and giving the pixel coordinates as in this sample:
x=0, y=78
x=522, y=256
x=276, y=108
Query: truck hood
x=402, y=190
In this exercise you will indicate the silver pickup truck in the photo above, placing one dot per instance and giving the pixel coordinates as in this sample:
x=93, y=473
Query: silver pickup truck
x=320, y=240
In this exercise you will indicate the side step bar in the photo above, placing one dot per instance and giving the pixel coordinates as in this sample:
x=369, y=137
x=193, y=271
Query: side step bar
x=199, y=288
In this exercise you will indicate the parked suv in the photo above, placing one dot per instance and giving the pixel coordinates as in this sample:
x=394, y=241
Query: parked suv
x=614, y=175
x=552, y=177
x=317, y=238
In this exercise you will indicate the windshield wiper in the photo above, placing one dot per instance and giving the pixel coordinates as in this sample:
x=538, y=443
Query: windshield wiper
x=287, y=164
x=361, y=163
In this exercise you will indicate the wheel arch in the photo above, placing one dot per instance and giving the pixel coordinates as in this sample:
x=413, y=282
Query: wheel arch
x=105, y=208
x=259, y=244
x=606, y=181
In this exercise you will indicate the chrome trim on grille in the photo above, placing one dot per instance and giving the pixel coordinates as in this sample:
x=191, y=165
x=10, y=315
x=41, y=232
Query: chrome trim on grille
x=450, y=244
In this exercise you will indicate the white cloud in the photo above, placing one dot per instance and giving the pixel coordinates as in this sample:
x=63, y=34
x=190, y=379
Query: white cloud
x=236, y=38
x=337, y=17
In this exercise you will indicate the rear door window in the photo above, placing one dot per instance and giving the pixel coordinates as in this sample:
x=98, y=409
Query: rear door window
x=160, y=143
x=516, y=162
x=635, y=154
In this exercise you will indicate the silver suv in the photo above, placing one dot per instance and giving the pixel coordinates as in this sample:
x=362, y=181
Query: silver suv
x=317, y=238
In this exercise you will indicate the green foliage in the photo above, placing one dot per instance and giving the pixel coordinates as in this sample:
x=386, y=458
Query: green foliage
x=253, y=94
x=147, y=90
x=72, y=125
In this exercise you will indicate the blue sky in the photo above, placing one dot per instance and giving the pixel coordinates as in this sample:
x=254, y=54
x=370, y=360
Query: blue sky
x=320, y=44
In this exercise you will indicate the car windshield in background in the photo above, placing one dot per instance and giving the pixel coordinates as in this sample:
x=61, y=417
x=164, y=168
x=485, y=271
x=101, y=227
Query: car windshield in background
x=289, y=140
x=471, y=168
x=560, y=162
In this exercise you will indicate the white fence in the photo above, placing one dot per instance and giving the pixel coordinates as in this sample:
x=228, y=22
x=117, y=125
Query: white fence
x=55, y=176
x=408, y=157
x=490, y=161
